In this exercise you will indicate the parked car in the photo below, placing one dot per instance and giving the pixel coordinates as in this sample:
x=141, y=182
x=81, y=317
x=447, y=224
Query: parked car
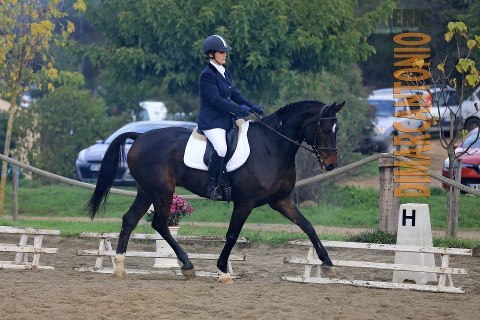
x=470, y=161
x=382, y=103
x=444, y=100
x=89, y=159
x=471, y=110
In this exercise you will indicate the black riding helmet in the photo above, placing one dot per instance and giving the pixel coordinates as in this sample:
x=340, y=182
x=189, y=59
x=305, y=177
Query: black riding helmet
x=215, y=43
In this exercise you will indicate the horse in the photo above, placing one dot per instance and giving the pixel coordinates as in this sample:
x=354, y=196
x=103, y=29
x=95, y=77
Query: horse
x=155, y=161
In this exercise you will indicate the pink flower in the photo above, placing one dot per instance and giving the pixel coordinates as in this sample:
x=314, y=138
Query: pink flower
x=178, y=210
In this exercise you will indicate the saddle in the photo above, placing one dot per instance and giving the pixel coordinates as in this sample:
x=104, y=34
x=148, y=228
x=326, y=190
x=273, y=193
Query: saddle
x=199, y=150
x=232, y=142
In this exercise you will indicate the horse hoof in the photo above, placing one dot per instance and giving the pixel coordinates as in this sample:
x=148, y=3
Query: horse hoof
x=225, y=278
x=328, y=271
x=120, y=274
x=190, y=273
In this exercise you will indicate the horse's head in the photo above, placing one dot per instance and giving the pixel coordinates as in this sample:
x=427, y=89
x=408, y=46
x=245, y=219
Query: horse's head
x=320, y=132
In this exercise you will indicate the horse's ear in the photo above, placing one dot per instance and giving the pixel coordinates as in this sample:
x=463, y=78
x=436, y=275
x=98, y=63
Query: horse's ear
x=337, y=107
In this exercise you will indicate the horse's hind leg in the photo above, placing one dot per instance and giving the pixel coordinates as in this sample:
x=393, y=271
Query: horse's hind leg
x=129, y=221
x=288, y=209
x=160, y=224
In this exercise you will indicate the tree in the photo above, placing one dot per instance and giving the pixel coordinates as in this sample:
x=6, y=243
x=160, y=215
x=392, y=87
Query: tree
x=65, y=121
x=159, y=44
x=331, y=87
x=463, y=68
x=378, y=68
x=460, y=72
x=28, y=30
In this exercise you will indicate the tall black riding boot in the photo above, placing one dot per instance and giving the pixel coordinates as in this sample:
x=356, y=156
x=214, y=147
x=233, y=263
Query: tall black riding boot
x=224, y=183
x=215, y=167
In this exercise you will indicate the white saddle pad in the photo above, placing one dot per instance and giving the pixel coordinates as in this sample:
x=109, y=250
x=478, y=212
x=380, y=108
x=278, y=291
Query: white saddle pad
x=197, y=144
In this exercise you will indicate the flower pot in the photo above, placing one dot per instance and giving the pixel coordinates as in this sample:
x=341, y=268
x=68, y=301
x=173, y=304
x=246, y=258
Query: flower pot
x=163, y=247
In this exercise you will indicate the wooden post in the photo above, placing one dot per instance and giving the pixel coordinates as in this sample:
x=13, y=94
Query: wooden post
x=454, y=201
x=15, y=175
x=388, y=203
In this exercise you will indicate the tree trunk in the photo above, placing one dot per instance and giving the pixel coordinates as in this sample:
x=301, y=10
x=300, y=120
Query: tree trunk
x=6, y=150
x=453, y=202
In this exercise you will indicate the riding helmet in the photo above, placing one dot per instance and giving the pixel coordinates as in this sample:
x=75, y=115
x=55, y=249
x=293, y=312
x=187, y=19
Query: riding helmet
x=215, y=43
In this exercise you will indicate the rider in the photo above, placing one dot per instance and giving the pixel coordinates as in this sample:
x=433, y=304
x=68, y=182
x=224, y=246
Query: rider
x=220, y=103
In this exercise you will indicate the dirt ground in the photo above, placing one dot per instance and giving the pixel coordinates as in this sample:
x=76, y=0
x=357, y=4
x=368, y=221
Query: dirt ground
x=260, y=293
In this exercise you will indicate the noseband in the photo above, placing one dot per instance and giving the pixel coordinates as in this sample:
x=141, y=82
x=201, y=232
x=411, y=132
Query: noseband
x=315, y=149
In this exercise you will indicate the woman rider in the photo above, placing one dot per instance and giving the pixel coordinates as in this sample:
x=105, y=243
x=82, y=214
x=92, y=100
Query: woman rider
x=220, y=104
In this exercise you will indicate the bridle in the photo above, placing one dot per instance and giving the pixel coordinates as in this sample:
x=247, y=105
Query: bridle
x=315, y=149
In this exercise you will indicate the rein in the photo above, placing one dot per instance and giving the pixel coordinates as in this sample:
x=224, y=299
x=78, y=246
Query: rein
x=314, y=150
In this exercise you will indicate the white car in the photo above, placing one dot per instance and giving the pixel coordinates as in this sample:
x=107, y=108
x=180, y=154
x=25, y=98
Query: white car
x=382, y=102
x=471, y=110
x=443, y=102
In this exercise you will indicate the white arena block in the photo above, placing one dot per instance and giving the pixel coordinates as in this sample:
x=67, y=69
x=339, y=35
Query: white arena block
x=164, y=248
x=414, y=228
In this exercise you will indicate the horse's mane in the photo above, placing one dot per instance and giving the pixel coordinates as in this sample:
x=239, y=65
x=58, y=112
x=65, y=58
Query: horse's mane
x=288, y=111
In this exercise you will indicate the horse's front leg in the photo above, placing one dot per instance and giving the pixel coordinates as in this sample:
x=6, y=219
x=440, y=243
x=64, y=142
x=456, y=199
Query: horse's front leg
x=129, y=222
x=239, y=216
x=288, y=209
x=159, y=223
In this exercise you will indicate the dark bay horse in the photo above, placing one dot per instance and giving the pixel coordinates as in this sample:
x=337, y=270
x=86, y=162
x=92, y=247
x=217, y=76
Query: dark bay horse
x=155, y=161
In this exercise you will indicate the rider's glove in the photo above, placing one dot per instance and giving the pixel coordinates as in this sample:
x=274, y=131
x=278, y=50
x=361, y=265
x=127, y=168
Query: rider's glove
x=258, y=110
x=244, y=111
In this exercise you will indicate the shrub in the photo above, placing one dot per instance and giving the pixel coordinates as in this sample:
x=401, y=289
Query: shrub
x=64, y=121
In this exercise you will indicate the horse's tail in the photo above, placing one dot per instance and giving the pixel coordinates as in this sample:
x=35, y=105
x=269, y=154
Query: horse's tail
x=108, y=170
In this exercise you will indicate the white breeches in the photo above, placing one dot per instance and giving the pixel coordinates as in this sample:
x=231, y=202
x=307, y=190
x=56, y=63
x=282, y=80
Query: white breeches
x=217, y=137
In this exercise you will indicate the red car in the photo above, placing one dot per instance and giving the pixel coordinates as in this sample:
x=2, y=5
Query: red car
x=471, y=161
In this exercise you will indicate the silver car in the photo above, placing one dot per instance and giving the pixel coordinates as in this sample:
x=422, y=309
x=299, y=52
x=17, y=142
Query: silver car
x=382, y=102
x=89, y=159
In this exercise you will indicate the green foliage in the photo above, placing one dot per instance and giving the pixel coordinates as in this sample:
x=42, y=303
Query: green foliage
x=378, y=69
x=352, y=119
x=160, y=43
x=455, y=243
x=66, y=121
x=376, y=236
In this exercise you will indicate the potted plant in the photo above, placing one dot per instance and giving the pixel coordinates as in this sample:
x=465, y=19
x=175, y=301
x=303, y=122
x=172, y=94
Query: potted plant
x=179, y=209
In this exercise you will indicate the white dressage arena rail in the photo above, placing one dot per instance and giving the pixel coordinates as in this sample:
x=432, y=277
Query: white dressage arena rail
x=445, y=283
x=23, y=249
x=105, y=250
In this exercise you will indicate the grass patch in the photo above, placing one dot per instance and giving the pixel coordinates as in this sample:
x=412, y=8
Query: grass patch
x=267, y=237
x=74, y=228
x=337, y=206
x=61, y=200
x=378, y=236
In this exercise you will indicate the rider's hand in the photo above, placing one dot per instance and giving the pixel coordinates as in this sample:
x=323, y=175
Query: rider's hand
x=244, y=111
x=258, y=110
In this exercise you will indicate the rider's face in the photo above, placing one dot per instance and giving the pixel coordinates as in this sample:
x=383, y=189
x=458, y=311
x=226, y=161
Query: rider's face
x=220, y=57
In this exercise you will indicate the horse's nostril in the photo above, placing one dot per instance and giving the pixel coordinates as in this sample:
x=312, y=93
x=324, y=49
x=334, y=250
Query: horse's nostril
x=331, y=166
